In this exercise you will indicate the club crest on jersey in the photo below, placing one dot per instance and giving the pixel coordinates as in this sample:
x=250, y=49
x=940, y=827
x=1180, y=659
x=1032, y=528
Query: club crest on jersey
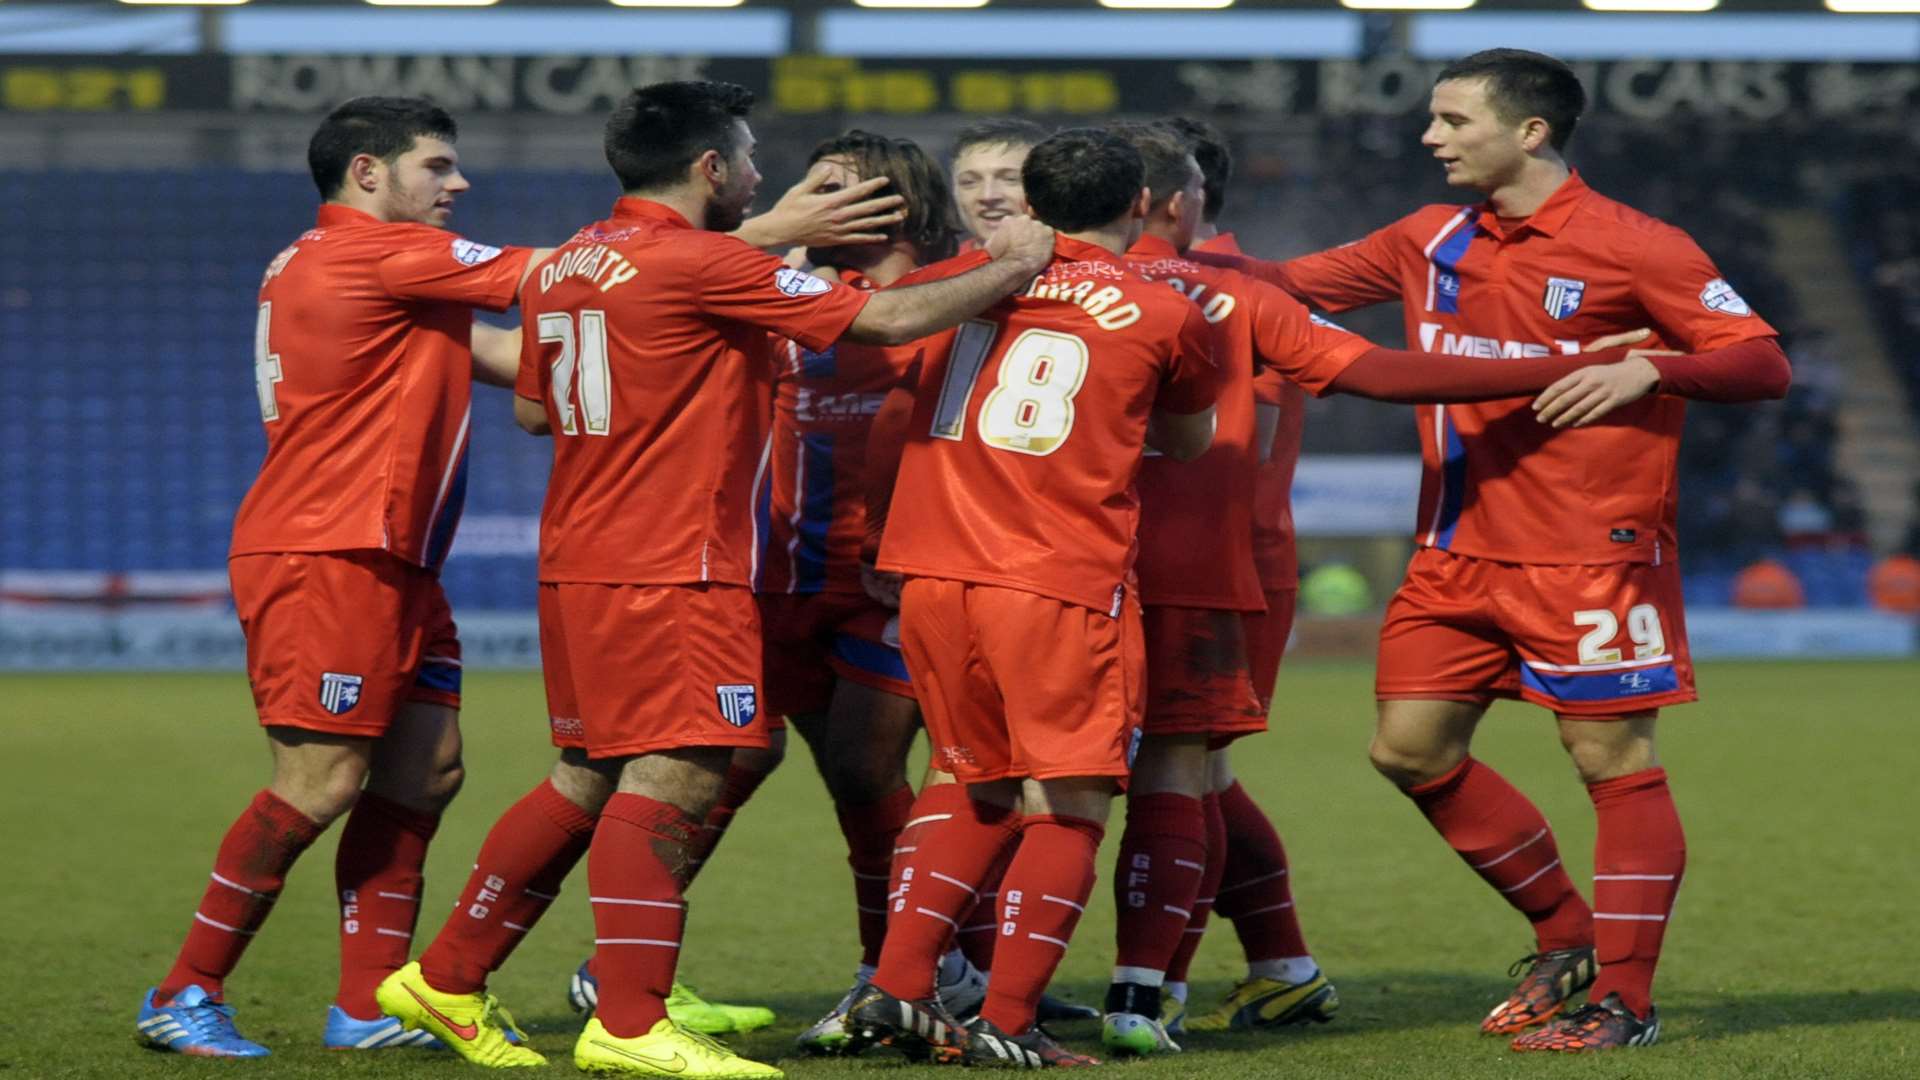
x=339, y=693
x=1719, y=296
x=468, y=253
x=798, y=282
x=1563, y=296
x=1448, y=284
x=739, y=703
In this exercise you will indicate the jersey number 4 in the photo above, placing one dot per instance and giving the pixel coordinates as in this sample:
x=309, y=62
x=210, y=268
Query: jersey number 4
x=266, y=366
x=1030, y=408
x=580, y=371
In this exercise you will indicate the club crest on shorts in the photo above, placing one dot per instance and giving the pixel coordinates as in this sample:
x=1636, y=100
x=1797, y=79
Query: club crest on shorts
x=739, y=703
x=339, y=693
x=1635, y=683
x=1563, y=296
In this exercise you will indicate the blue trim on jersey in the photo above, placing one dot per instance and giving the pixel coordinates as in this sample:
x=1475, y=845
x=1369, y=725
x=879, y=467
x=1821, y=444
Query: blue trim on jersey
x=816, y=513
x=818, y=365
x=1601, y=685
x=441, y=540
x=442, y=677
x=1453, y=483
x=1446, y=259
x=872, y=657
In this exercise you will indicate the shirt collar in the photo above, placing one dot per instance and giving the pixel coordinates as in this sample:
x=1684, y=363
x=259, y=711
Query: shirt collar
x=334, y=215
x=1224, y=243
x=629, y=207
x=1066, y=247
x=1153, y=247
x=1552, y=215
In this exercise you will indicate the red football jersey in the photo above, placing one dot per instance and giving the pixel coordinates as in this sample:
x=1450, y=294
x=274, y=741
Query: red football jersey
x=1029, y=426
x=813, y=500
x=363, y=360
x=1197, y=527
x=647, y=339
x=1497, y=483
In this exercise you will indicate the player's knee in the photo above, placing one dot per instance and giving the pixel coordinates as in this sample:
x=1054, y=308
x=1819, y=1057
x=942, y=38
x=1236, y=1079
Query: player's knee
x=863, y=776
x=1408, y=766
x=761, y=762
x=443, y=783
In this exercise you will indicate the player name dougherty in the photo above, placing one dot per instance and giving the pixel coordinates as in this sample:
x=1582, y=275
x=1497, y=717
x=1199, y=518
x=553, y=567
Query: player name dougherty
x=599, y=263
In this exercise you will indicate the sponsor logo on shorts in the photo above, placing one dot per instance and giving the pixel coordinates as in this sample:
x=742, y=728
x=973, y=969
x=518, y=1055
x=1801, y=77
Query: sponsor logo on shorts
x=1624, y=536
x=1563, y=296
x=468, y=253
x=739, y=703
x=798, y=282
x=567, y=727
x=1633, y=682
x=339, y=693
x=1719, y=296
x=1133, y=745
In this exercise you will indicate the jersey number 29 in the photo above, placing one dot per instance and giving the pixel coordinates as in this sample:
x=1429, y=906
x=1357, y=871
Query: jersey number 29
x=1030, y=408
x=582, y=367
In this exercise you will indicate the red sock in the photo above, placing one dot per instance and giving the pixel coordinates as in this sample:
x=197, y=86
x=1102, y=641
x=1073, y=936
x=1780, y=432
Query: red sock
x=249, y=870
x=1256, y=884
x=1163, y=856
x=946, y=850
x=1209, y=888
x=1505, y=839
x=639, y=910
x=1639, y=858
x=377, y=874
x=1044, y=895
x=518, y=872
x=738, y=787
x=871, y=830
x=980, y=926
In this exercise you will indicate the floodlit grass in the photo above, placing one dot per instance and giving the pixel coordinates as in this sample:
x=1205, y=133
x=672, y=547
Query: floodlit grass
x=1792, y=951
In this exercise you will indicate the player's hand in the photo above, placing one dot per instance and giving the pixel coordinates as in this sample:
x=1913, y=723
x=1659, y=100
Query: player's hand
x=825, y=210
x=1591, y=393
x=1618, y=341
x=882, y=586
x=1023, y=240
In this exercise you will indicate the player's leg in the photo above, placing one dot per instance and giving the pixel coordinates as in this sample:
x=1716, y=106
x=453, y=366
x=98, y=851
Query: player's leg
x=748, y=769
x=1446, y=650
x=414, y=775
x=1157, y=879
x=1173, y=999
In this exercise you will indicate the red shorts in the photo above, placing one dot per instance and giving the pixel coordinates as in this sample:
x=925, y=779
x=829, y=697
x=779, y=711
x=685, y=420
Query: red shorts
x=814, y=638
x=1267, y=634
x=1580, y=640
x=1197, y=679
x=337, y=641
x=1014, y=684
x=636, y=669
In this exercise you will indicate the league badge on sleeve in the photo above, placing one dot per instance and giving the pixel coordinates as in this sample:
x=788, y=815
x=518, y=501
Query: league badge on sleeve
x=739, y=703
x=1563, y=296
x=798, y=282
x=1719, y=296
x=468, y=253
x=339, y=693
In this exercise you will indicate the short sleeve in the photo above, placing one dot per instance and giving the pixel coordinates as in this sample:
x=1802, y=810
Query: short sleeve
x=1290, y=340
x=740, y=282
x=1269, y=385
x=1353, y=275
x=1191, y=382
x=1688, y=299
x=431, y=264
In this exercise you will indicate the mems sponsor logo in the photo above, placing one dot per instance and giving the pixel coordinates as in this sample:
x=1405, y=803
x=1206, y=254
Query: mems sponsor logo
x=811, y=407
x=1436, y=339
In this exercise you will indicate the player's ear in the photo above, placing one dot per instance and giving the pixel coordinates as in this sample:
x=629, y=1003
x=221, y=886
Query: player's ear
x=1178, y=206
x=711, y=166
x=364, y=172
x=1143, y=203
x=1533, y=134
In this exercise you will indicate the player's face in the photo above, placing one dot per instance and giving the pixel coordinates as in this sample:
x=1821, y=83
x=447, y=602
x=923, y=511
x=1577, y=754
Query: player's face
x=1477, y=149
x=841, y=175
x=986, y=185
x=421, y=183
x=735, y=194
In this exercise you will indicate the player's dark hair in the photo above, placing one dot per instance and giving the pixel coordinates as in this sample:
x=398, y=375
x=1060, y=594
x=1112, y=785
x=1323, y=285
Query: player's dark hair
x=999, y=131
x=382, y=126
x=930, y=225
x=1522, y=85
x=1211, y=151
x=1168, y=162
x=657, y=131
x=1082, y=178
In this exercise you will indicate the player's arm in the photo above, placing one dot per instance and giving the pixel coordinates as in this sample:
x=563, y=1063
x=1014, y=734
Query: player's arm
x=425, y=263
x=817, y=212
x=1020, y=248
x=496, y=354
x=531, y=416
x=1181, y=424
x=1338, y=279
x=1269, y=400
x=529, y=392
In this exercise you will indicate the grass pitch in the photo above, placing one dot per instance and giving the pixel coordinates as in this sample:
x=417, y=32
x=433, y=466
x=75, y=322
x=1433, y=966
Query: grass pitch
x=1792, y=951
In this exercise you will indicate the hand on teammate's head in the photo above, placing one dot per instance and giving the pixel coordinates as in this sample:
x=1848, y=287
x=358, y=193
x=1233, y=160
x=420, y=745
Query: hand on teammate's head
x=1022, y=238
